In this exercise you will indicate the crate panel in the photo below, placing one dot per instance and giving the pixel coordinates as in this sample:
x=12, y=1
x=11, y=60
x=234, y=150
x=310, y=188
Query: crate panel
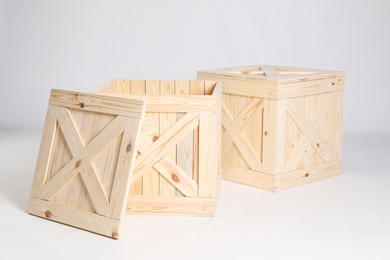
x=71, y=184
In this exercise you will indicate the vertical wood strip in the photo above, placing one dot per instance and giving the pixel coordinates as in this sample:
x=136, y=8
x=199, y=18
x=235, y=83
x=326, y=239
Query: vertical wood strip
x=269, y=136
x=184, y=148
x=208, y=158
x=45, y=151
x=151, y=129
x=196, y=88
x=137, y=87
x=166, y=121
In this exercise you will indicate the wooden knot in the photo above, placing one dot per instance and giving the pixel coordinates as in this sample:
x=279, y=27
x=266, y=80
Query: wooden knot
x=318, y=145
x=307, y=175
x=155, y=138
x=245, y=72
x=82, y=105
x=332, y=83
x=265, y=133
x=175, y=178
x=48, y=214
x=78, y=163
x=115, y=235
x=128, y=148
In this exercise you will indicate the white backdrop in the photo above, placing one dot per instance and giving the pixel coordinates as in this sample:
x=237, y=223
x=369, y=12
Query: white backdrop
x=80, y=45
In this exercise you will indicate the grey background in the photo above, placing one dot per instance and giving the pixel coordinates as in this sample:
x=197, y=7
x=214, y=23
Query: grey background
x=80, y=45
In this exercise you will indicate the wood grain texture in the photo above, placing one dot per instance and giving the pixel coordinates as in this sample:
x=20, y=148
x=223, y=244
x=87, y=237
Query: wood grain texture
x=168, y=154
x=70, y=189
x=278, y=120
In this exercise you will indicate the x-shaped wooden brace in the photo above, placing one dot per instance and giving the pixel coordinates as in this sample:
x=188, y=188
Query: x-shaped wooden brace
x=234, y=127
x=308, y=128
x=82, y=160
x=152, y=154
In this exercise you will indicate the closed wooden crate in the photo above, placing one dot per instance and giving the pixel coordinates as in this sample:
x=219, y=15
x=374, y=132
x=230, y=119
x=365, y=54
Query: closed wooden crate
x=177, y=166
x=282, y=126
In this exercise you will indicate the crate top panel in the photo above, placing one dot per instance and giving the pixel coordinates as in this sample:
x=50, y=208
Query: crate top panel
x=275, y=82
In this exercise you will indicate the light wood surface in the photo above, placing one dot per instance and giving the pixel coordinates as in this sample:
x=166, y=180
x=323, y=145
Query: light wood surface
x=279, y=120
x=76, y=160
x=179, y=152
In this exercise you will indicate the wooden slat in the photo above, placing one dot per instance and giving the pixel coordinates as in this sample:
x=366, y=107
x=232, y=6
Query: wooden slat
x=270, y=72
x=85, y=220
x=125, y=165
x=196, y=88
x=208, y=155
x=280, y=136
x=167, y=88
x=150, y=128
x=45, y=151
x=184, y=149
x=137, y=88
x=269, y=136
x=171, y=205
x=172, y=104
x=96, y=103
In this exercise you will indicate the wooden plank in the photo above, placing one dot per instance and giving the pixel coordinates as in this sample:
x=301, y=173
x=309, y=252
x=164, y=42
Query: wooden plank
x=280, y=136
x=196, y=88
x=249, y=177
x=125, y=166
x=137, y=87
x=85, y=220
x=184, y=149
x=208, y=155
x=307, y=175
x=276, y=89
x=269, y=136
x=45, y=151
x=166, y=121
x=270, y=72
x=96, y=103
x=209, y=87
x=171, y=205
x=172, y=104
x=150, y=128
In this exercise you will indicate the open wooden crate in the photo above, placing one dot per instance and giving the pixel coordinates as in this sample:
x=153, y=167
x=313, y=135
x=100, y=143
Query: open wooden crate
x=282, y=126
x=178, y=161
x=102, y=155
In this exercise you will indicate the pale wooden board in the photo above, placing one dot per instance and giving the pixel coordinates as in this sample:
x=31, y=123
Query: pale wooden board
x=151, y=128
x=171, y=205
x=184, y=149
x=166, y=121
x=137, y=87
x=77, y=142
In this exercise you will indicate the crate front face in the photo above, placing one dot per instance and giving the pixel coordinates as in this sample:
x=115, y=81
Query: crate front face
x=178, y=153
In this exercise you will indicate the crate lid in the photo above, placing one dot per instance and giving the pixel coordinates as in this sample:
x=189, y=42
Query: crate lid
x=275, y=82
x=86, y=160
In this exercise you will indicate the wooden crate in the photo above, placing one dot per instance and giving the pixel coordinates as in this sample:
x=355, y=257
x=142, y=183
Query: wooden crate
x=87, y=152
x=282, y=127
x=177, y=167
